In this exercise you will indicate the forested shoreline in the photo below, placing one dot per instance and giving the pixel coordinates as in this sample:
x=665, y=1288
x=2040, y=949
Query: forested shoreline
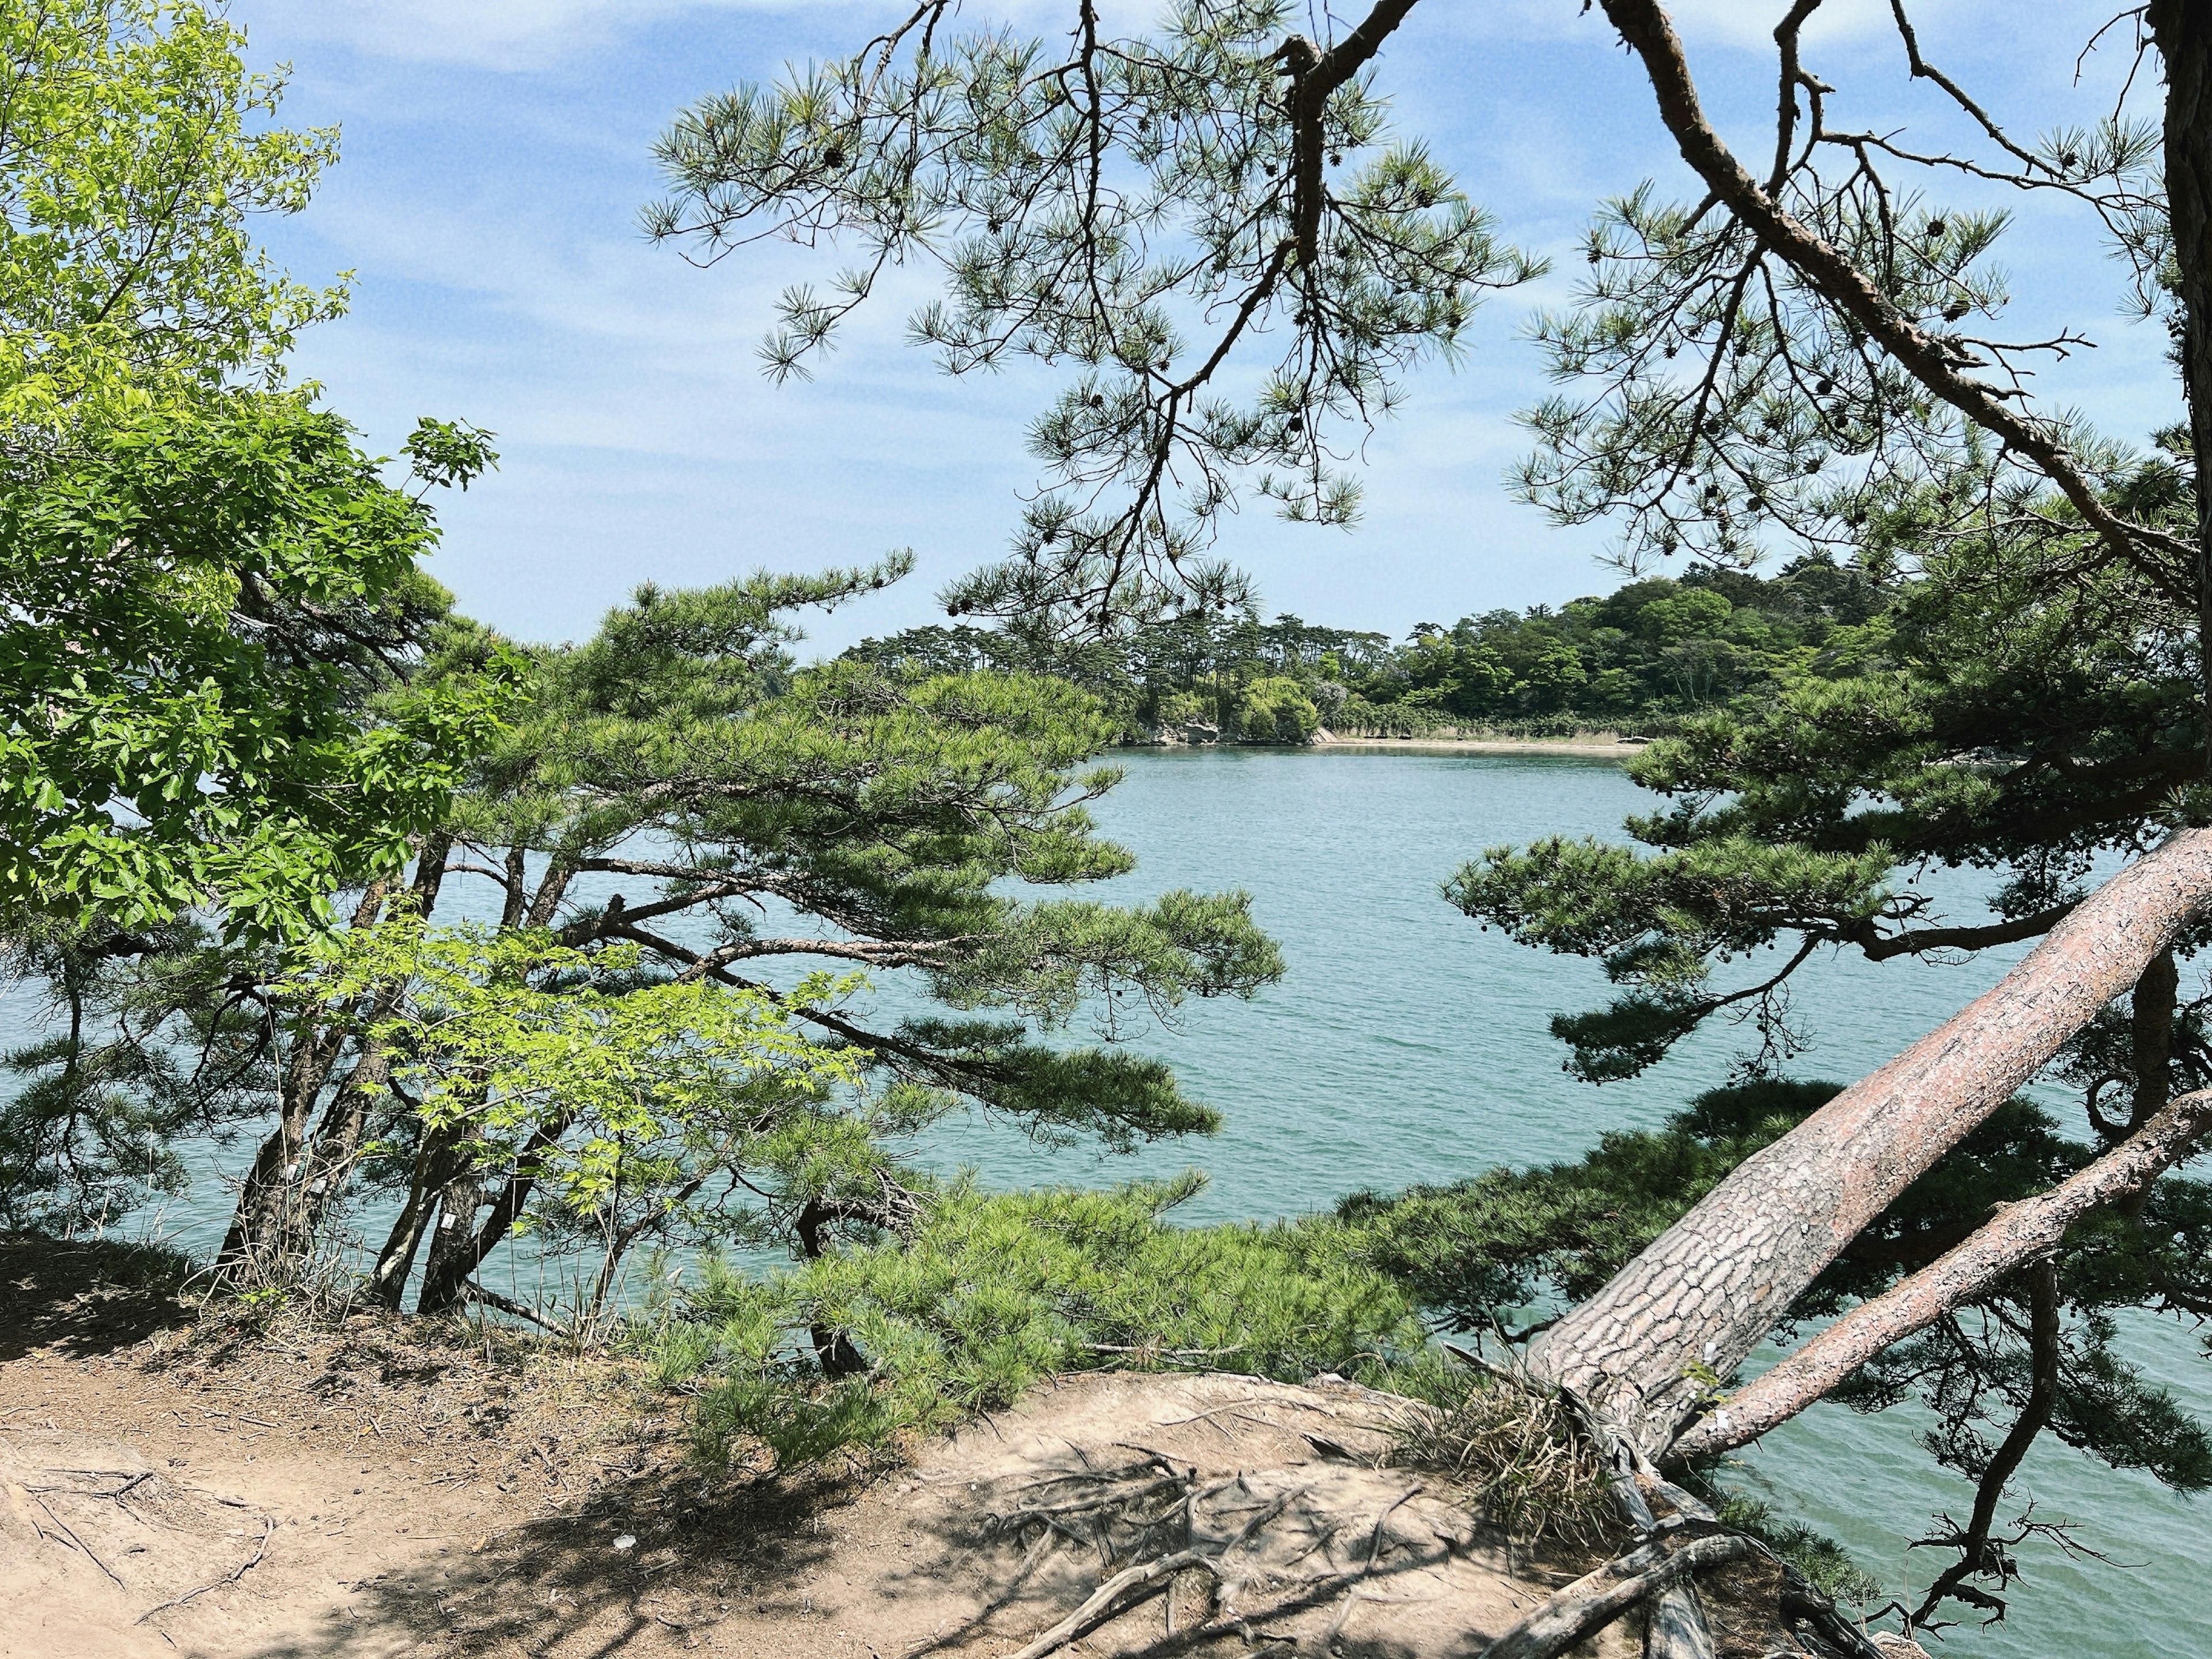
x=1636, y=660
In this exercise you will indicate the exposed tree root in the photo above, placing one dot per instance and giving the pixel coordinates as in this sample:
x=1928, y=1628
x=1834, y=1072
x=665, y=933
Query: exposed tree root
x=260, y=1549
x=1126, y=1588
x=1678, y=1628
x=1596, y=1599
x=1237, y=1547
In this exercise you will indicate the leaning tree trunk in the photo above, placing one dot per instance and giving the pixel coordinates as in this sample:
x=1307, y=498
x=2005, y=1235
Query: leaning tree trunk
x=2023, y=1232
x=2183, y=30
x=1695, y=1302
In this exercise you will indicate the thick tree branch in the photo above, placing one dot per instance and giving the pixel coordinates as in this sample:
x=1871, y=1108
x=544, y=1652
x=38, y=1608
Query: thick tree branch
x=2165, y=560
x=2021, y=1232
x=1912, y=941
x=1711, y=1288
x=1315, y=75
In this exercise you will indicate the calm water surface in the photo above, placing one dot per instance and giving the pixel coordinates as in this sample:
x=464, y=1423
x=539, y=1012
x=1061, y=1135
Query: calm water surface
x=1405, y=1045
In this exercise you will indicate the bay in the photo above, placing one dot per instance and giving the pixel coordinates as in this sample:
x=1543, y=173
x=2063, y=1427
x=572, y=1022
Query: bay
x=1407, y=1045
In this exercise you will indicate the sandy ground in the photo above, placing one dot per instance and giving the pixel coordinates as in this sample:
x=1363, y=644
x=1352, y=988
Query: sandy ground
x=367, y=1493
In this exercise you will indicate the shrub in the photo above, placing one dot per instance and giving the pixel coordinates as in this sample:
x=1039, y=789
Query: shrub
x=1276, y=710
x=994, y=1291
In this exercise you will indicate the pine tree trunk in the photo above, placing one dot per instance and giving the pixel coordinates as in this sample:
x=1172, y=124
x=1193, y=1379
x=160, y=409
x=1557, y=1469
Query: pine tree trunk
x=1704, y=1293
x=455, y=1253
x=452, y=1257
x=2182, y=31
x=2022, y=1232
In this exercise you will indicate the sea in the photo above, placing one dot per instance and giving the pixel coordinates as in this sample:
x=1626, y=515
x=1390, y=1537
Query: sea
x=1405, y=1045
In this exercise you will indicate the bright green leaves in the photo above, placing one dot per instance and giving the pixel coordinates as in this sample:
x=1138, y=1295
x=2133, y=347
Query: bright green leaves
x=618, y=1092
x=201, y=605
x=203, y=589
x=1131, y=212
x=133, y=155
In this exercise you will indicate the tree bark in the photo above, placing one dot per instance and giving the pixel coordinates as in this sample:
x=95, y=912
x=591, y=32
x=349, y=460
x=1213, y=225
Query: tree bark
x=2021, y=1232
x=258, y=1226
x=2183, y=33
x=453, y=1253
x=1707, y=1291
x=436, y=1163
x=455, y=1257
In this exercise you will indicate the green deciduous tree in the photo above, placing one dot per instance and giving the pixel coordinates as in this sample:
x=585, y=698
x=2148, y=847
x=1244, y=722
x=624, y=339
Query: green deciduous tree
x=134, y=152
x=209, y=611
x=208, y=595
x=624, y=1094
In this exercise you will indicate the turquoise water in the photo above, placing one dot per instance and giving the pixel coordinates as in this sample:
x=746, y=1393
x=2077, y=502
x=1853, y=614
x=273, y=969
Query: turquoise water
x=1405, y=1045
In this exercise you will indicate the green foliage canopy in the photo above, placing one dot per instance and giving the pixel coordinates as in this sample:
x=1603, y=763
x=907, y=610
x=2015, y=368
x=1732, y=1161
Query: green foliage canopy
x=2007, y=711
x=207, y=611
x=1139, y=210
x=133, y=153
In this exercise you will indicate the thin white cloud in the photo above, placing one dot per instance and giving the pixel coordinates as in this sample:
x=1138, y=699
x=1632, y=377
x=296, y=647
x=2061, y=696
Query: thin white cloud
x=526, y=36
x=499, y=35
x=503, y=279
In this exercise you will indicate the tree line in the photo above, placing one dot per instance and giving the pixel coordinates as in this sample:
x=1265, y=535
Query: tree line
x=1637, y=659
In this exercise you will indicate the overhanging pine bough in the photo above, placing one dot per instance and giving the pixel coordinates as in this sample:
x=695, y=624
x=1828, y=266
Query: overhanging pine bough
x=1097, y=210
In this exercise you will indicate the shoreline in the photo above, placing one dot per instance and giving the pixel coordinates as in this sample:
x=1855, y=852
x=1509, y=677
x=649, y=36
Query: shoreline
x=1611, y=749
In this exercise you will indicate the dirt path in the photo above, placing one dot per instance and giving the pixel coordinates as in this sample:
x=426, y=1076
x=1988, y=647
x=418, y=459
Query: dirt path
x=385, y=1490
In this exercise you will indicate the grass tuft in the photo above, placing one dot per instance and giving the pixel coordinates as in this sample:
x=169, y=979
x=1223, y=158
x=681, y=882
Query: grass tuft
x=1514, y=1451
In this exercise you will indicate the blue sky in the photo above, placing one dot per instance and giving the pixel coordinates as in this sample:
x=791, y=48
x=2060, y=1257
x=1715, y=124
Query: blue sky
x=496, y=156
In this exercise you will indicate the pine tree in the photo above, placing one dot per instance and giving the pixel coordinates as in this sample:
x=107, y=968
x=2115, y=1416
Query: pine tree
x=1767, y=364
x=879, y=811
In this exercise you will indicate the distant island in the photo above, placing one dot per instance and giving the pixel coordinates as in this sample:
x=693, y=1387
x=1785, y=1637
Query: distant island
x=1631, y=662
